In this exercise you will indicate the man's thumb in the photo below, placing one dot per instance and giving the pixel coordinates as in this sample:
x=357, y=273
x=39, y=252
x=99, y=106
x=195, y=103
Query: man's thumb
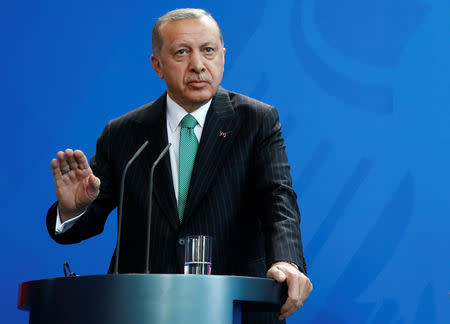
x=94, y=184
x=276, y=274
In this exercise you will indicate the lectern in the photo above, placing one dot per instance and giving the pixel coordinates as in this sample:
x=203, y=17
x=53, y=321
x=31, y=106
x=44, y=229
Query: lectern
x=147, y=299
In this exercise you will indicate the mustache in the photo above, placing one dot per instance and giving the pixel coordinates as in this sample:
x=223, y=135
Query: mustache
x=198, y=77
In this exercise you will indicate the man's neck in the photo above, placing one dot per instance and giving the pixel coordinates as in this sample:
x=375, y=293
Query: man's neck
x=175, y=113
x=189, y=106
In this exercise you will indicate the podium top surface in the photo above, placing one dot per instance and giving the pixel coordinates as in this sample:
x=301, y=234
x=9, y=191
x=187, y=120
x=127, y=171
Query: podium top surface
x=159, y=297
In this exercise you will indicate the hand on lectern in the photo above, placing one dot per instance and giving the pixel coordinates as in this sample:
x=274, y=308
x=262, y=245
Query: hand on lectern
x=299, y=286
x=75, y=184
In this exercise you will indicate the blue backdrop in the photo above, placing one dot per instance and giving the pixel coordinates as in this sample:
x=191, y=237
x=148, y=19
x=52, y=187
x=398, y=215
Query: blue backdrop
x=362, y=87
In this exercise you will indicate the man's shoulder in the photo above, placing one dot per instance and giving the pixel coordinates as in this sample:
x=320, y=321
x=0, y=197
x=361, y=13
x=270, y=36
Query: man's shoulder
x=248, y=108
x=141, y=115
x=241, y=101
x=133, y=115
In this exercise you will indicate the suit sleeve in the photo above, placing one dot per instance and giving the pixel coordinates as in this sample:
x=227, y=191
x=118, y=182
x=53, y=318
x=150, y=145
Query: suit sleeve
x=280, y=215
x=93, y=220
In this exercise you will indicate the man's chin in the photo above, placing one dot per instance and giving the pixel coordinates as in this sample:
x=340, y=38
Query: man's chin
x=191, y=105
x=199, y=97
x=193, y=99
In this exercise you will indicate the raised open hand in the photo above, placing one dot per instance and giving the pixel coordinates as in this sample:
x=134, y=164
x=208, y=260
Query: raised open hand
x=75, y=184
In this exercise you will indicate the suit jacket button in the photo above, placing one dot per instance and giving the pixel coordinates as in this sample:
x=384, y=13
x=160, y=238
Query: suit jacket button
x=181, y=241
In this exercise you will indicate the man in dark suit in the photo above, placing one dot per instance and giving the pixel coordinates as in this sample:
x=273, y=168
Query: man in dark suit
x=238, y=190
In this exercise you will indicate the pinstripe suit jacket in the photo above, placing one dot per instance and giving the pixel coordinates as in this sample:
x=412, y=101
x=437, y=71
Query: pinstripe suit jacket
x=240, y=193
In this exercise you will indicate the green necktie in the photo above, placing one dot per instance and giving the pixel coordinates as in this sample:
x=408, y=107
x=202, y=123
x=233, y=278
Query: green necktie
x=188, y=150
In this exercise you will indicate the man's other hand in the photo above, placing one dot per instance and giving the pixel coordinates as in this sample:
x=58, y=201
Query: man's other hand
x=299, y=286
x=75, y=184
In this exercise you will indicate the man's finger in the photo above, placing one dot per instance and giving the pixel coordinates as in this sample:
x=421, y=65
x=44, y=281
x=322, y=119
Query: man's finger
x=63, y=165
x=81, y=159
x=55, y=169
x=293, y=302
x=306, y=290
x=305, y=287
x=70, y=159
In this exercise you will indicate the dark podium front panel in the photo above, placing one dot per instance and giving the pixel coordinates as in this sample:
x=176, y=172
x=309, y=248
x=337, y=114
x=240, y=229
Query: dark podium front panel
x=147, y=299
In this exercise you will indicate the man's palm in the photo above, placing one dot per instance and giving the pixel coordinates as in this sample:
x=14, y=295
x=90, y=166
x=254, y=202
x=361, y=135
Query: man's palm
x=75, y=184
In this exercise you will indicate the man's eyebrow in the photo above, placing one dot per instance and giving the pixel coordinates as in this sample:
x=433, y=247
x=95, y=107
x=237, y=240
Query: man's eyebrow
x=209, y=43
x=181, y=44
x=189, y=45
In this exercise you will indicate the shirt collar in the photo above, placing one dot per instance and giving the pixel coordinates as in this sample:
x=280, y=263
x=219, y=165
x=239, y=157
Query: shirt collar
x=175, y=113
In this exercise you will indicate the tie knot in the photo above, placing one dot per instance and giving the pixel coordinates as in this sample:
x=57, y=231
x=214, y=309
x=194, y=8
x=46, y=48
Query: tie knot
x=188, y=121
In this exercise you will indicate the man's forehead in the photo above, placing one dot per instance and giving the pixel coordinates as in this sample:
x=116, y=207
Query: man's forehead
x=188, y=30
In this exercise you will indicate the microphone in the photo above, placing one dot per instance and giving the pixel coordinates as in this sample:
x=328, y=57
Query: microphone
x=150, y=203
x=119, y=221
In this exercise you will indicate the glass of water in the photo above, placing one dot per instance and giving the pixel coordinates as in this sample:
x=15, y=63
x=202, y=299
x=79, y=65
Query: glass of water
x=198, y=254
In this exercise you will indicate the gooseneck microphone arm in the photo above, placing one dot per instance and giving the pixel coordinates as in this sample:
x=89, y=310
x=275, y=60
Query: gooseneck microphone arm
x=119, y=218
x=150, y=203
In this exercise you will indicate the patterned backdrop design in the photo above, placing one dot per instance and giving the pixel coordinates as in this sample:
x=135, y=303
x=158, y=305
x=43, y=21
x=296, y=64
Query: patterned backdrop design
x=363, y=91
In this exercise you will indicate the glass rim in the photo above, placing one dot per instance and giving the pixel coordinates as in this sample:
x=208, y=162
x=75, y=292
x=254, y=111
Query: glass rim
x=198, y=236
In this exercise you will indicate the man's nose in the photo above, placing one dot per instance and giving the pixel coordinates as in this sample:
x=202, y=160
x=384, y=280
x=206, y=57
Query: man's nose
x=196, y=62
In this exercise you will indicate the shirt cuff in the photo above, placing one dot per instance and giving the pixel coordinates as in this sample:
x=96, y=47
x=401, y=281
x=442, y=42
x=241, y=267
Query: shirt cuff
x=63, y=227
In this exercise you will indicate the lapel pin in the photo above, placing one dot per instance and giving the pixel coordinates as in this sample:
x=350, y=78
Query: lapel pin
x=222, y=134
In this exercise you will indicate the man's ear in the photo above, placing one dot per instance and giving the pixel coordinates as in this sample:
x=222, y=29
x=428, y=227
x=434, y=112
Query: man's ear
x=157, y=65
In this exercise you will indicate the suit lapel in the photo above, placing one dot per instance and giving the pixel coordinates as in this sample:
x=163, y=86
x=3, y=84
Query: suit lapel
x=155, y=127
x=220, y=127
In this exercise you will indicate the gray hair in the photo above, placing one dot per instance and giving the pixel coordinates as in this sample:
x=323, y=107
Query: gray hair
x=174, y=15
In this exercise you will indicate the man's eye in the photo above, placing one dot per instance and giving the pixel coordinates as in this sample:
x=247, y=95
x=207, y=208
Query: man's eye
x=209, y=50
x=181, y=52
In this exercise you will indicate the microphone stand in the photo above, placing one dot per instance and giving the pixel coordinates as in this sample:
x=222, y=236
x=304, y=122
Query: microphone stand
x=150, y=203
x=122, y=186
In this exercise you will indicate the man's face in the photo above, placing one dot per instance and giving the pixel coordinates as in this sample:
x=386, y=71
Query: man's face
x=191, y=61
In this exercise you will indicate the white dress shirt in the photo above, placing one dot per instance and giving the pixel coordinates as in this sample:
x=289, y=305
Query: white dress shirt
x=174, y=114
